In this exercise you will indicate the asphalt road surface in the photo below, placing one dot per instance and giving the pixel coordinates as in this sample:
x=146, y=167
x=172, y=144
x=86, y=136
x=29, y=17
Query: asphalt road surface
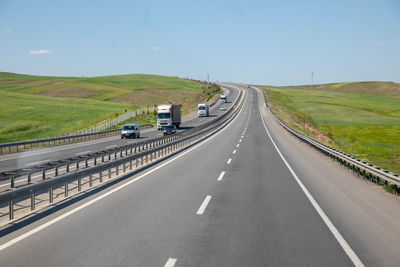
x=245, y=197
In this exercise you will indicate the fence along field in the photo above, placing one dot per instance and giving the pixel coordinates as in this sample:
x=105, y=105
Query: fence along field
x=360, y=118
x=35, y=107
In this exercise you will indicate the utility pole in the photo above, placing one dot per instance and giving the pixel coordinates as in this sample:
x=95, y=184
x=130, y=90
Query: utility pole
x=312, y=80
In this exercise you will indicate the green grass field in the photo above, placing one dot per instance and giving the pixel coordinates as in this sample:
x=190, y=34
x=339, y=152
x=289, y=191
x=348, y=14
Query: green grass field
x=41, y=106
x=361, y=118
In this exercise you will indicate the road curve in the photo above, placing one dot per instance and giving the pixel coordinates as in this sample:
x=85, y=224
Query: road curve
x=231, y=201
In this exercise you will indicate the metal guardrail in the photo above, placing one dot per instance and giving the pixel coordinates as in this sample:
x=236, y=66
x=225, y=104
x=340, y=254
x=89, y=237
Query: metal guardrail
x=62, y=140
x=153, y=149
x=362, y=168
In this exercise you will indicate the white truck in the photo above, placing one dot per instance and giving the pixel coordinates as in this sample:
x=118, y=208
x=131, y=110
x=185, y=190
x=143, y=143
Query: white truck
x=203, y=110
x=223, y=98
x=168, y=115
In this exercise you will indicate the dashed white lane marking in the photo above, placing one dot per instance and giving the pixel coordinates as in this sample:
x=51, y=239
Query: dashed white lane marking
x=84, y=152
x=237, y=145
x=170, y=262
x=86, y=204
x=204, y=205
x=234, y=151
x=221, y=176
x=343, y=243
x=37, y=162
x=240, y=140
x=229, y=161
x=111, y=146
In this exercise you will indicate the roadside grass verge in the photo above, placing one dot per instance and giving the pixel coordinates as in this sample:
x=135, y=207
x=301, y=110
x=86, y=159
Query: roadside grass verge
x=27, y=117
x=366, y=125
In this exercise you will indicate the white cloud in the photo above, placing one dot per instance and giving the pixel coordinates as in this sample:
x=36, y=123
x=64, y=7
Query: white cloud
x=39, y=52
x=7, y=30
x=380, y=44
x=155, y=48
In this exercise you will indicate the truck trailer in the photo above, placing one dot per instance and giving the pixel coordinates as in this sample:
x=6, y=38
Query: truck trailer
x=168, y=115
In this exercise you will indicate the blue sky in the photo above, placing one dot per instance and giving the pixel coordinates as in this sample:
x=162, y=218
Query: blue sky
x=260, y=42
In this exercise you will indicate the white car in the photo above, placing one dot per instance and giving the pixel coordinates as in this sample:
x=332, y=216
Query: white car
x=223, y=108
x=130, y=130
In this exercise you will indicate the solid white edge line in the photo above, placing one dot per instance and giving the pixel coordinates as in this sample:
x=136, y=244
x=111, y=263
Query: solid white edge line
x=229, y=161
x=170, y=262
x=32, y=163
x=84, y=205
x=84, y=152
x=221, y=176
x=343, y=243
x=203, y=205
x=111, y=146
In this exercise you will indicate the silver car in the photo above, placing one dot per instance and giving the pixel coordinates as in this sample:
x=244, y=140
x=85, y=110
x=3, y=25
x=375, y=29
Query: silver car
x=130, y=131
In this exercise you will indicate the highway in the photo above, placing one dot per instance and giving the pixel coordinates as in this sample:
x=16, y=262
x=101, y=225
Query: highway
x=251, y=195
x=36, y=157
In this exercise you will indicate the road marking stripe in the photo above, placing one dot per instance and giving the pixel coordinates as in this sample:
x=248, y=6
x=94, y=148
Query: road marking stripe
x=234, y=151
x=343, y=243
x=111, y=146
x=229, y=161
x=237, y=145
x=37, y=162
x=221, y=176
x=84, y=205
x=84, y=152
x=170, y=262
x=240, y=140
x=204, y=205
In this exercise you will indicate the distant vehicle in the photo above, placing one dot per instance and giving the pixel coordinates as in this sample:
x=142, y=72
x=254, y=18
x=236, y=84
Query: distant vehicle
x=203, y=110
x=168, y=115
x=130, y=131
x=223, y=108
x=223, y=98
x=169, y=130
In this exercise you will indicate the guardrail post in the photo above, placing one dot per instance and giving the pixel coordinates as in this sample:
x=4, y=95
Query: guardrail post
x=29, y=177
x=51, y=194
x=90, y=180
x=102, y=158
x=33, y=201
x=43, y=174
x=12, y=183
x=109, y=173
x=109, y=156
x=11, y=209
x=95, y=160
x=120, y=153
x=130, y=165
x=86, y=163
x=100, y=176
x=66, y=189
x=117, y=169
x=56, y=171
x=67, y=169
x=77, y=165
x=79, y=184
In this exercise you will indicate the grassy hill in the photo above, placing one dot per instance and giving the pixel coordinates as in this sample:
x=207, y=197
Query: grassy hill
x=361, y=118
x=40, y=106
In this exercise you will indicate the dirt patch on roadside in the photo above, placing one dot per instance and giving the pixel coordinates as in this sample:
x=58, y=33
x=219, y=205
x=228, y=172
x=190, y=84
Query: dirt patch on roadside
x=397, y=159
